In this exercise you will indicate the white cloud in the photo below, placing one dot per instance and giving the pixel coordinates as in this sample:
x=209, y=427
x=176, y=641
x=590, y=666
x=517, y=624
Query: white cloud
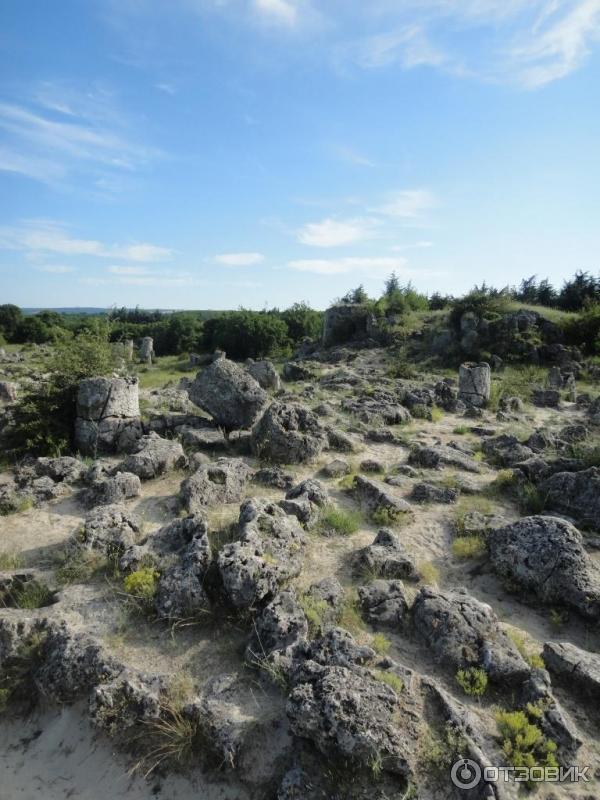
x=239, y=259
x=124, y=270
x=408, y=46
x=56, y=269
x=44, y=236
x=340, y=266
x=406, y=204
x=352, y=156
x=279, y=11
x=56, y=133
x=335, y=233
x=557, y=45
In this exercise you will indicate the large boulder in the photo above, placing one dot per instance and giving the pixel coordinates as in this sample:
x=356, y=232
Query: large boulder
x=574, y=668
x=474, y=384
x=229, y=394
x=154, y=456
x=111, y=529
x=545, y=556
x=435, y=457
x=385, y=558
x=268, y=553
x=374, y=496
x=384, y=603
x=347, y=713
x=264, y=373
x=108, y=415
x=220, y=481
x=461, y=632
x=114, y=489
x=289, y=434
x=576, y=494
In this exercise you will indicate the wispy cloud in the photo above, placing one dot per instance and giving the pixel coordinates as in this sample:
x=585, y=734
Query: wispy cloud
x=278, y=11
x=43, y=236
x=352, y=156
x=56, y=269
x=239, y=259
x=335, y=233
x=57, y=133
x=340, y=266
x=406, y=204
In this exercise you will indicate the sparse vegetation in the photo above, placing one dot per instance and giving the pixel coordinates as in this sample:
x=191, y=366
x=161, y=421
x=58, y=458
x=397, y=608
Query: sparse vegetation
x=381, y=644
x=523, y=743
x=388, y=517
x=465, y=547
x=334, y=520
x=534, y=660
x=390, y=678
x=428, y=572
x=473, y=681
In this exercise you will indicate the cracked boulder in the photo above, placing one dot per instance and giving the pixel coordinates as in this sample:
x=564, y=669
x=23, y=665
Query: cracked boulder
x=288, y=434
x=436, y=457
x=461, y=632
x=374, y=496
x=545, y=556
x=305, y=500
x=385, y=558
x=154, y=456
x=269, y=552
x=226, y=391
x=220, y=481
x=384, y=603
x=576, y=494
x=111, y=529
x=474, y=384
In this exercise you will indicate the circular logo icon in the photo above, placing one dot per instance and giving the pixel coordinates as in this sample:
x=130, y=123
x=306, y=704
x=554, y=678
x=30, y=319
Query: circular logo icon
x=465, y=774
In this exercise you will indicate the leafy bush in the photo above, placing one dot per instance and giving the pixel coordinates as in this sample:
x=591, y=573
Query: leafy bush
x=473, y=681
x=388, y=517
x=247, y=334
x=302, y=321
x=43, y=422
x=483, y=301
x=381, y=644
x=523, y=743
x=428, y=572
x=142, y=584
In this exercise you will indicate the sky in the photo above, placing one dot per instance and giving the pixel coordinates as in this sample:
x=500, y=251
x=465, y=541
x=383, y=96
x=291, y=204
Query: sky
x=226, y=153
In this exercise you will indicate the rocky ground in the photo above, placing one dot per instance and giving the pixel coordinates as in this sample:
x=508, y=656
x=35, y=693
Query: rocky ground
x=333, y=586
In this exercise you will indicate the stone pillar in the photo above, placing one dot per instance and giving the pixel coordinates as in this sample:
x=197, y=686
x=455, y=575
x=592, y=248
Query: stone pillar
x=128, y=346
x=147, y=350
x=474, y=384
x=108, y=415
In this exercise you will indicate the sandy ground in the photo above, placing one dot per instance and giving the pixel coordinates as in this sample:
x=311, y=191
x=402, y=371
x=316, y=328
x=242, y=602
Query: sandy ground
x=57, y=755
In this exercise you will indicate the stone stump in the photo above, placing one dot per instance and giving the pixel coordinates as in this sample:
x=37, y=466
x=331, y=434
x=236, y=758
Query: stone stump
x=147, y=350
x=474, y=384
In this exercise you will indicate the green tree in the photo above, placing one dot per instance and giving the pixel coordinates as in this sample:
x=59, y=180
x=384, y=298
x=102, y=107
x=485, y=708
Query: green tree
x=302, y=321
x=43, y=422
x=10, y=316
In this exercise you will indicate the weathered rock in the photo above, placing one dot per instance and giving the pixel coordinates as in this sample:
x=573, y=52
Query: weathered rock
x=269, y=551
x=384, y=603
x=114, y=490
x=128, y=700
x=474, y=384
x=264, y=373
x=220, y=481
x=506, y=450
x=385, y=558
x=428, y=493
x=341, y=441
x=374, y=497
x=441, y=455
x=336, y=469
x=110, y=528
x=546, y=398
x=574, y=668
x=576, y=494
x=181, y=593
x=207, y=437
x=328, y=596
x=154, y=456
x=474, y=523
x=344, y=322
x=146, y=351
x=461, y=632
x=350, y=715
x=297, y=371
x=63, y=469
x=554, y=722
x=288, y=434
x=229, y=394
x=8, y=392
x=274, y=477
x=280, y=626
x=377, y=408
x=545, y=556
x=108, y=415
x=335, y=647
x=304, y=501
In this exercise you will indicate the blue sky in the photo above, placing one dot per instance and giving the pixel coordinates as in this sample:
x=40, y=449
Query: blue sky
x=218, y=153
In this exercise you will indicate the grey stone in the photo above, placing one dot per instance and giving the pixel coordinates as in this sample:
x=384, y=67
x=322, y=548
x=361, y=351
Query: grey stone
x=220, y=481
x=545, y=556
x=154, y=456
x=288, y=434
x=384, y=603
x=438, y=456
x=373, y=496
x=474, y=384
x=461, y=632
x=229, y=394
x=265, y=374
x=428, y=493
x=385, y=558
x=576, y=494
